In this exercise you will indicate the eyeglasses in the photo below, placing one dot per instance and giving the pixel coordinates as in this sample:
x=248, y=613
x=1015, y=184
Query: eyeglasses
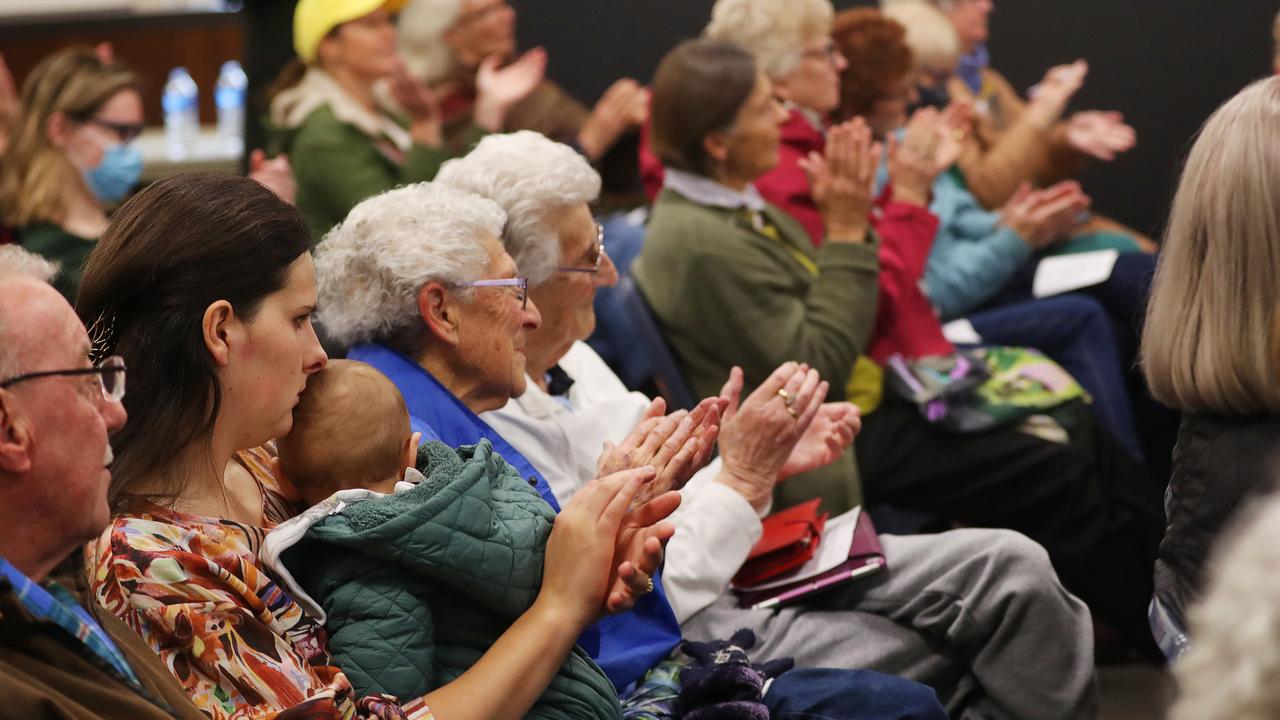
x=595, y=256
x=828, y=52
x=110, y=374
x=125, y=131
x=520, y=284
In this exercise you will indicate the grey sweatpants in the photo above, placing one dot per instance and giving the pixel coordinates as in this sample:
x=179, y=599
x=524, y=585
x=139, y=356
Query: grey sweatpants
x=979, y=615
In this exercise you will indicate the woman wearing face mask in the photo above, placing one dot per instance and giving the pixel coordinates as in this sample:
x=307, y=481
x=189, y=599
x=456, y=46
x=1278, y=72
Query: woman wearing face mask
x=348, y=140
x=70, y=155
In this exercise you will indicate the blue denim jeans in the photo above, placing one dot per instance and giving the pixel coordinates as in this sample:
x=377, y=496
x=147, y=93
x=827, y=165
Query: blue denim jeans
x=828, y=694
x=1077, y=332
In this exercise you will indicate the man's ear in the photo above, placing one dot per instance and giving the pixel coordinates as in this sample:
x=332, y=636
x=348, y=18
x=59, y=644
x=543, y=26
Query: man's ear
x=222, y=330
x=15, y=437
x=439, y=311
x=58, y=128
x=716, y=145
x=410, y=451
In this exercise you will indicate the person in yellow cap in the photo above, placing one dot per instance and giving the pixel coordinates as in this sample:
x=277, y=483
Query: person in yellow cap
x=353, y=121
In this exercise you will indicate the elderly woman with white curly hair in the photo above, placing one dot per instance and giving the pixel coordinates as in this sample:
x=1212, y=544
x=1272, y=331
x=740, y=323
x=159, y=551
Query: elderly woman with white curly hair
x=418, y=281
x=573, y=405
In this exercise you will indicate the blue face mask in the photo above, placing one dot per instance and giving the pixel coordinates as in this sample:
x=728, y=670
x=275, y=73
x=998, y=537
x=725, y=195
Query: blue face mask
x=116, y=175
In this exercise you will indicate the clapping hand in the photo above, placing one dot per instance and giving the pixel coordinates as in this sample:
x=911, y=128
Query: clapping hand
x=420, y=103
x=843, y=180
x=830, y=434
x=275, y=174
x=1049, y=99
x=913, y=161
x=675, y=445
x=1102, y=135
x=499, y=88
x=625, y=105
x=1042, y=217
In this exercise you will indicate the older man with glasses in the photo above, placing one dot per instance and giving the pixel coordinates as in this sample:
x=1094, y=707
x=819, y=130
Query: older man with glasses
x=56, y=412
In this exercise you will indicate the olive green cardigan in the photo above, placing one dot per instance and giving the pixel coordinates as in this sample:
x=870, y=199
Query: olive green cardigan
x=726, y=294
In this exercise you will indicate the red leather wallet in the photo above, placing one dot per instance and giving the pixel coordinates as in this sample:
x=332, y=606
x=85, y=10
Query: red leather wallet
x=790, y=539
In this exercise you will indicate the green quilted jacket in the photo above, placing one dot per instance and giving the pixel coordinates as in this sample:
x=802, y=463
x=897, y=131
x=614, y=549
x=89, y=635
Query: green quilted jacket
x=416, y=586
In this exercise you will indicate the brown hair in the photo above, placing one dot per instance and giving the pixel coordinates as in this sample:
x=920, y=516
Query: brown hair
x=172, y=250
x=698, y=89
x=35, y=175
x=349, y=431
x=878, y=55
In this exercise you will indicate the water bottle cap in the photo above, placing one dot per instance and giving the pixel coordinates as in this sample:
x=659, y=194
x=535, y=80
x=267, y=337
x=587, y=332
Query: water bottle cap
x=178, y=72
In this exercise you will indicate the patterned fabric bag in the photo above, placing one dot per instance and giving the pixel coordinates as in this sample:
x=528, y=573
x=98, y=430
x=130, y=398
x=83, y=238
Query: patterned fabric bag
x=972, y=391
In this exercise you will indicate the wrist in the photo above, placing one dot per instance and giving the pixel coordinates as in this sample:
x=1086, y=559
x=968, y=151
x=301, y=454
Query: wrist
x=755, y=488
x=427, y=132
x=847, y=233
x=489, y=115
x=911, y=195
x=561, y=619
x=590, y=142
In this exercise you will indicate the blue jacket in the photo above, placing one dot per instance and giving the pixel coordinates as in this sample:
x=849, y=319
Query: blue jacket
x=624, y=645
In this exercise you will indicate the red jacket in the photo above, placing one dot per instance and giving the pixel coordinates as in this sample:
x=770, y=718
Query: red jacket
x=905, y=320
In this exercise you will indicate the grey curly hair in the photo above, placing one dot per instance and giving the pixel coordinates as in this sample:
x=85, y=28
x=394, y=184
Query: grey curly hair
x=370, y=267
x=420, y=30
x=531, y=178
x=774, y=32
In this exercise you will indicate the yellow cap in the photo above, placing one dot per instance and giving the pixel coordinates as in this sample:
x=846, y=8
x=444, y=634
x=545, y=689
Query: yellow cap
x=313, y=19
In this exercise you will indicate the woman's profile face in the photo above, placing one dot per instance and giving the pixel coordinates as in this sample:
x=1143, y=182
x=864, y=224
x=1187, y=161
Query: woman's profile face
x=267, y=373
x=814, y=83
x=752, y=142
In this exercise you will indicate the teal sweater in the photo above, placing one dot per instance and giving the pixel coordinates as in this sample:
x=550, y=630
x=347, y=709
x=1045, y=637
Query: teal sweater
x=416, y=587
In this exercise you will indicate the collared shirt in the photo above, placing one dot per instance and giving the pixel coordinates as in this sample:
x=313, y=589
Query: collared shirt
x=971, y=66
x=705, y=191
x=52, y=603
x=624, y=645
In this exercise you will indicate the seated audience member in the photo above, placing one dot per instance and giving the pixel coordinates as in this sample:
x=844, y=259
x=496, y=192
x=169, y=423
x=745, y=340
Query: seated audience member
x=1210, y=344
x=417, y=281
x=70, y=156
x=573, y=404
x=446, y=42
x=58, y=660
x=982, y=263
x=751, y=291
x=217, y=335
x=447, y=565
x=326, y=115
x=793, y=45
x=1016, y=141
x=1229, y=672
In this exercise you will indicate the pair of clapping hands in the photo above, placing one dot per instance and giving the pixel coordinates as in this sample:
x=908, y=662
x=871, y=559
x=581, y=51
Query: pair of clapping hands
x=608, y=540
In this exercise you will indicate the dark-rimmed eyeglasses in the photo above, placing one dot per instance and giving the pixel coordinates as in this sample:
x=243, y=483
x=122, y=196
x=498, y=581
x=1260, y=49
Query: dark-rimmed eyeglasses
x=520, y=284
x=595, y=256
x=110, y=372
x=127, y=132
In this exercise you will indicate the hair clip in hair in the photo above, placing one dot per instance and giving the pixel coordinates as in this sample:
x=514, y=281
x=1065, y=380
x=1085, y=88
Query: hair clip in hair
x=102, y=337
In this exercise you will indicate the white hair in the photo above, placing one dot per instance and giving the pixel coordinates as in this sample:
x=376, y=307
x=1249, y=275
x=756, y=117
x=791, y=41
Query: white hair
x=18, y=266
x=420, y=33
x=370, y=267
x=14, y=260
x=930, y=34
x=1230, y=670
x=772, y=30
x=530, y=177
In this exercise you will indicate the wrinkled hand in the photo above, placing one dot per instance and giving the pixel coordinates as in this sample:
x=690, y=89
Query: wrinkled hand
x=1049, y=99
x=913, y=161
x=581, y=571
x=843, y=180
x=1102, y=135
x=499, y=88
x=829, y=435
x=638, y=550
x=1043, y=217
x=955, y=124
x=676, y=445
x=275, y=174
x=625, y=105
x=759, y=436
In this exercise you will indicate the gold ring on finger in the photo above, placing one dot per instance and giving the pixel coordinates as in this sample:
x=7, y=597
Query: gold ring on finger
x=786, y=397
x=792, y=412
x=648, y=588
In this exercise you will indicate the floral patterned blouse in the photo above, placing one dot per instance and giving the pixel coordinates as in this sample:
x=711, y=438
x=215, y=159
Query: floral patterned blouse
x=239, y=645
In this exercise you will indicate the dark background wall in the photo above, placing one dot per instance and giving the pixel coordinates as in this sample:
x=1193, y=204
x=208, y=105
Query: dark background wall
x=1165, y=63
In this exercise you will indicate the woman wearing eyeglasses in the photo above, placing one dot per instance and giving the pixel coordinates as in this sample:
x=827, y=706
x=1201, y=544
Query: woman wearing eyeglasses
x=70, y=156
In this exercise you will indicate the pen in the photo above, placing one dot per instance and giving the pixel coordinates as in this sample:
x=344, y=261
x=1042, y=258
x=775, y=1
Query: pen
x=872, y=565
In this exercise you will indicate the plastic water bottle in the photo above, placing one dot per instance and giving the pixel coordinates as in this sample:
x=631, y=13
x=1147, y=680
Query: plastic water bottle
x=181, y=104
x=229, y=96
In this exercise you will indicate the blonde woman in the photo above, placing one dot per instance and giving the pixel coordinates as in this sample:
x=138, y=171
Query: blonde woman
x=1211, y=346
x=69, y=156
